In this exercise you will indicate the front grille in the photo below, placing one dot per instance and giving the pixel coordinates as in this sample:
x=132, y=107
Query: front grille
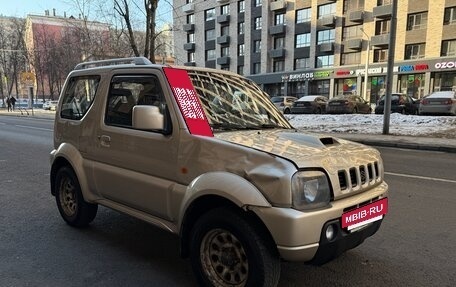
x=358, y=176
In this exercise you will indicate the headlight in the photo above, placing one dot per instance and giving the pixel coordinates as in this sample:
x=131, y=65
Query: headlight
x=310, y=190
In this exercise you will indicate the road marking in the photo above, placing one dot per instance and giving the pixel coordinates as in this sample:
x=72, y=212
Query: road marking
x=34, y=128
x=421, y=177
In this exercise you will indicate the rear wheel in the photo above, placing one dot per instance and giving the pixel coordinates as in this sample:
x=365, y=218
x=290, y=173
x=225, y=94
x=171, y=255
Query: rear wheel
x=228, y=250
x=318, y=110
x=286, y=111
x=355, y=110
x=70, y=202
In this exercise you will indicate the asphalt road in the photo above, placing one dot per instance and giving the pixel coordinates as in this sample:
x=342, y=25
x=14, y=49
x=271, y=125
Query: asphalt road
x=414, y=247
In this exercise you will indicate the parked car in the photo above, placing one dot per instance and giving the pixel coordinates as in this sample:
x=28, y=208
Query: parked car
x=50, y=105
x=284, y=103
x=400, y=103
x=443, y=102
x=348, y=104
x=205, y=155
x=309, y=105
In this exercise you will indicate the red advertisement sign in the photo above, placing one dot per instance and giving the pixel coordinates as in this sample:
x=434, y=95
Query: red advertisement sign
x=188, y=101
x=366, y=214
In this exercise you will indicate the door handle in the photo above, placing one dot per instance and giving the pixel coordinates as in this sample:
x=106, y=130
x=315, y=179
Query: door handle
x=105, y=140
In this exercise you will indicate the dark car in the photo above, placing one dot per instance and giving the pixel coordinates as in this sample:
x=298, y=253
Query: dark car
x=400, y=103
x=348, y=104
x=309, y=105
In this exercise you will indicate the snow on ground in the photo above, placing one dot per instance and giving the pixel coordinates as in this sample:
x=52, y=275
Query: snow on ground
x=432, y=126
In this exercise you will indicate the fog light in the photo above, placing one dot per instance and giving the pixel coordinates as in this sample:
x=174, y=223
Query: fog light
x=330, y=232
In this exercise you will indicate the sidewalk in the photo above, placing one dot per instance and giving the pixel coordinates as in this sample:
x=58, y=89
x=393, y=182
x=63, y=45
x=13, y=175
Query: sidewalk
x=408, y=142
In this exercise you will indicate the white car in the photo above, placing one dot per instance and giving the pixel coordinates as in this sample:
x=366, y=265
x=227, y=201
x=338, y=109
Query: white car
x=50, y=105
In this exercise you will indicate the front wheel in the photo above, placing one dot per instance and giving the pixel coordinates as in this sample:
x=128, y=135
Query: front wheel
x=70, y=202
x=287, y=111
x=229, y=250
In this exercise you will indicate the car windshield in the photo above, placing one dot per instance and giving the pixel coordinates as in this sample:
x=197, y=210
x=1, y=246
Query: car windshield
x=277, y=99
x=233, y=103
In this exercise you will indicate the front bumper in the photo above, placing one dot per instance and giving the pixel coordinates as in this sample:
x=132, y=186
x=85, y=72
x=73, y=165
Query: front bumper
x=298, y=235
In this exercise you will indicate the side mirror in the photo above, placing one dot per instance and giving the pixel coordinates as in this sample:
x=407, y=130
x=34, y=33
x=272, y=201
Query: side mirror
x=147, y=118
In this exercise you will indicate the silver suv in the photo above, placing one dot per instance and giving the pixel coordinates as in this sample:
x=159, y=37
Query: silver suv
x=206, y=155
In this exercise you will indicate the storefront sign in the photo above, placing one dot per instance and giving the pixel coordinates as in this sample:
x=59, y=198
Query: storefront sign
x=411, y=68
x=445, y=65
x=306, y=76
x=345, y=73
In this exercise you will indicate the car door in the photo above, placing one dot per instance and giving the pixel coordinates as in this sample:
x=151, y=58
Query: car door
x=131, y=167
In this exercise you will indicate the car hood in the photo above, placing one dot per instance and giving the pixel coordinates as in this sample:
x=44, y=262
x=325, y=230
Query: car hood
x=305, y=150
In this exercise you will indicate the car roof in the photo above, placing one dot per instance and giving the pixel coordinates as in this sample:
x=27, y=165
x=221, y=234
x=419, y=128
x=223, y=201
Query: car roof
x=308, y=98
x=441, y=94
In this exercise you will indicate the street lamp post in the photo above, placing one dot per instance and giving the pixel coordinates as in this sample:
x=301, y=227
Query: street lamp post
x=366, y=66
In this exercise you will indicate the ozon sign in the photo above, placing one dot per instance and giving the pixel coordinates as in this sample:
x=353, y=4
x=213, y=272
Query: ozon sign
x=445, y=65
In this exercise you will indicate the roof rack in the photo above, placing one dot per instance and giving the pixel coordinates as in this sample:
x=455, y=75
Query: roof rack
x=119, y=61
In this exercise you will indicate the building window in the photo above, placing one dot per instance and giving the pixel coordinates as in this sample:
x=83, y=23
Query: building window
x=350, y=58
x=417, y=21
x=241, y=6
x=191, y=19
x=279, y=19
x=449, y=16
x=224, y=30
x=225, y=10
x=225, y=51
x=326, y=36
x=384, y=2
x=302, y=40
x=257, y=25
x=241, y=50
x=303, y=15
x=191, y=57
x=448, y=48
x=380, y=55
x=301, y=63
x=191, y=38
x=279, y=42
x=325, y=61
x=257, y=46
x=210, y=55
x=382, y=27
x=241, y=28
x=353, y=5
x=209, y=14
x=278, y=65
x=225, y=68
x=326, y=10
x=256, y=68
x=240, y=70
x=352, y=32
x=257, y=3
x=210, y=34
x=415, y=51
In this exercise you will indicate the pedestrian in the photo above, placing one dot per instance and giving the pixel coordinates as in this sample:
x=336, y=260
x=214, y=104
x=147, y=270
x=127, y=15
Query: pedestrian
x=8, y=104
x=13, y=101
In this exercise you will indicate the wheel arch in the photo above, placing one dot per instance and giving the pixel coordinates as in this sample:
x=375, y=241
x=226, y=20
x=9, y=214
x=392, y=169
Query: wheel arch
x=206, y=203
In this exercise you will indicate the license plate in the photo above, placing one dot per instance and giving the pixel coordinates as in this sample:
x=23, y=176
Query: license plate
x=365, y=214
x=335, y=104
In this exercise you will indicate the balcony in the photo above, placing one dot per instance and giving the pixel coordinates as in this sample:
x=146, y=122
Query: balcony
x=326, y=47
x=277, y=29
x=353, y=44
x=188, y=27
x=380, y=41
x=223, y=60
x=383, y=12
x=356, y=16
x=188, y=8
x=189, y=46
x=278, y=5
x=277, y=53
x=223, y=40
x=223, y=1
x=225, y=18
x=327, y=21
x=190, y=64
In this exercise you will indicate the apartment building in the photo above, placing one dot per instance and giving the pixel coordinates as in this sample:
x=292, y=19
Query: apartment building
x=303, y=47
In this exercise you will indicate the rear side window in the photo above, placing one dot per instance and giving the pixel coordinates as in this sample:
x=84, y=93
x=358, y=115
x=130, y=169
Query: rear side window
x=78, y=96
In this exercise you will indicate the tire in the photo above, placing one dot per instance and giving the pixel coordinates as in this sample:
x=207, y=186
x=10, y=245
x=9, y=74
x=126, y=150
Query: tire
x=318, y=111
x=224, y=242
x=70, y=202
x=355, y=110
x=286, y=111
